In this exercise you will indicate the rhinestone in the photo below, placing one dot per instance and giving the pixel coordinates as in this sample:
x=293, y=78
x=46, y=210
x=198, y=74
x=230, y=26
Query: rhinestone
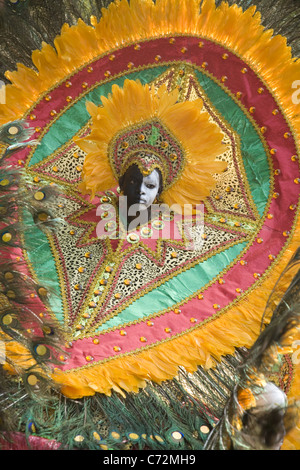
x=42, y=291
x=105, y=199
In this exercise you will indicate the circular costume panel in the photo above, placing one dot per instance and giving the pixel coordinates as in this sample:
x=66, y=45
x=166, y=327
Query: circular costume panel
x=136, y=308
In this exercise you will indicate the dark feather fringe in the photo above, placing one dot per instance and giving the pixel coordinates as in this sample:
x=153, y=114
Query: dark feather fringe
x=19, y=321
x=257, y=367
x=172, y=416
x=36, y=21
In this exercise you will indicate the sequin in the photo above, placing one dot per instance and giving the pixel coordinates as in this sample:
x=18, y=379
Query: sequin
x=133, y=238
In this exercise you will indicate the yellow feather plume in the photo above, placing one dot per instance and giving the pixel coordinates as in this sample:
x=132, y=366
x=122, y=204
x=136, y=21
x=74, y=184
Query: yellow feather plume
x=135, y=103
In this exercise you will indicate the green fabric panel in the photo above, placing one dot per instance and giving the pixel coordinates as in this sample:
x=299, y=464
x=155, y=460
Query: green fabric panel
x=77, y=116
x=176, y=289
x=43, y=263
x=253, y=152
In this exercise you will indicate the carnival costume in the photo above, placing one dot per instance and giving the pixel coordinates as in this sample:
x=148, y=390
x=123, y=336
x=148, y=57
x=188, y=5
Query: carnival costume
x=140, y=341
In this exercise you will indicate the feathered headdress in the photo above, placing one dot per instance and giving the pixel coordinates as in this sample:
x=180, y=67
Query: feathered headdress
x=139, y=125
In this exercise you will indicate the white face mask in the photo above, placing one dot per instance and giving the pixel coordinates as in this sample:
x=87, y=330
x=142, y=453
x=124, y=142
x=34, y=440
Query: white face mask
x=149, y=189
